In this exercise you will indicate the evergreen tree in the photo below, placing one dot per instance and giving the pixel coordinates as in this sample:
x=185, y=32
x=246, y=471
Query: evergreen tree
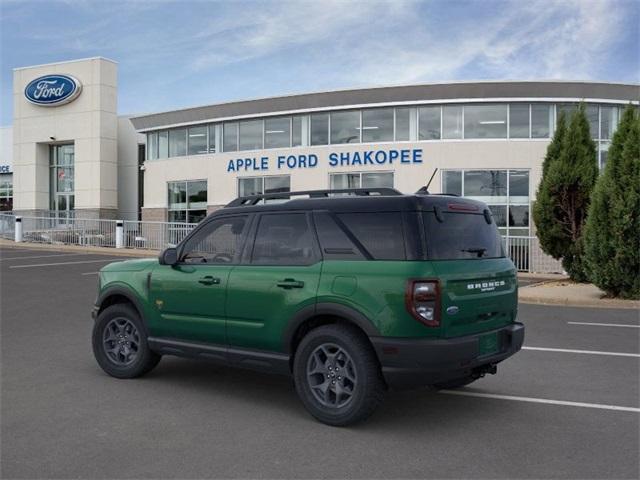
x=612, y=233
x=563, y=197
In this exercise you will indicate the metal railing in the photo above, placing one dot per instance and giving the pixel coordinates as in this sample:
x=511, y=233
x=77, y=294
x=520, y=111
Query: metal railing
x=526, y=254
x=154, y=235
x=69, y=231
x=7, y=226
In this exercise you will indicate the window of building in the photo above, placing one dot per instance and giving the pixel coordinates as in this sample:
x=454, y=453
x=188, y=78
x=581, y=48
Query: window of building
x=339, y=181
x=296, y=131
x=187, y=201
x=230, y=137
x=62, y=176
x=381, y=234
x=592, y=113
x=377, y=125
x=212, y=138
x=541, y=120
x=429, y=123
x=403, y=124
x=260, y=185
x=197, y=140
x=320, y=129
x=277, y=132
x=178, y=142
x=251, y=133
x=152, y=146
x=604, y=152
x=345, y=127
x=163, y=144
x=452, y=121
x=284, y=239
x=506, y=192
x=6, y=192
x=519, y=120
x=218, y=242
x=608, y=121
x=485, y=121
x=452, y=182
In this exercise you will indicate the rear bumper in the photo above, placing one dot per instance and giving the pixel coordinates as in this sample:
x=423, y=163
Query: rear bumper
x=411, y=363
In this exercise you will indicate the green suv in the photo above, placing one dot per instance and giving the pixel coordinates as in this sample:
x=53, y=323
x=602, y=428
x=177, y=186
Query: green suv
x=350, y=292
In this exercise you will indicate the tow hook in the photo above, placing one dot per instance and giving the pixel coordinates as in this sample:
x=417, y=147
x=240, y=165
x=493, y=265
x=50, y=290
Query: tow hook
x=480, y=372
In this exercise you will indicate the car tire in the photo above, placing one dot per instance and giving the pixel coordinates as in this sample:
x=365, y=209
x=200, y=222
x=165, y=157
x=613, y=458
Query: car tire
x=337, y=375
x=120, y=343
x=457, y=383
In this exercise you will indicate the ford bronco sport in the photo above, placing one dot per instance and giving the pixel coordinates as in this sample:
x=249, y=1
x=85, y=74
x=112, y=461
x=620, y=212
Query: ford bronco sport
x=349, y=291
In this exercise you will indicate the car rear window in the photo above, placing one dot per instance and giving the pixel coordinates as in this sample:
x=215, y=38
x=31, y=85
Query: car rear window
x=461, y=236
x=381, y=234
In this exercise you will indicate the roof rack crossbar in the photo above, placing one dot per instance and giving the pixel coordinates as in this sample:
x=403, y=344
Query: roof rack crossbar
x=361, y=192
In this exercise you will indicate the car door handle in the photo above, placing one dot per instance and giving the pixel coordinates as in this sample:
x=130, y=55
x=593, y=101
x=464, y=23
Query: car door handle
x=209, y=280
x=288, y=283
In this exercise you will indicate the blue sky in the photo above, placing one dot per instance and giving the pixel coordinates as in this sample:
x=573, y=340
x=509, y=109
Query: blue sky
x=174, y=54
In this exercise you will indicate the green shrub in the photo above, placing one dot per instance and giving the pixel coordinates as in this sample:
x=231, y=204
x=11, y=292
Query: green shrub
x=612, y=233
x=569, y=174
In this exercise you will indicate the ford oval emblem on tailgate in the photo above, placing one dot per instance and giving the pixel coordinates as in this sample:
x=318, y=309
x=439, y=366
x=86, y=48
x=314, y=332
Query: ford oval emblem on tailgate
x=452, y=310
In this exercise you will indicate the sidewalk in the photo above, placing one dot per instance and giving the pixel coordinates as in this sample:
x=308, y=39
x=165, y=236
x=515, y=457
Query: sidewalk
x=125, y=252
x=565, y=292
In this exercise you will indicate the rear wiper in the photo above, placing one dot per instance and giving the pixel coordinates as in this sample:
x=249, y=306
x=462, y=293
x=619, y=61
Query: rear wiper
x=479, y=251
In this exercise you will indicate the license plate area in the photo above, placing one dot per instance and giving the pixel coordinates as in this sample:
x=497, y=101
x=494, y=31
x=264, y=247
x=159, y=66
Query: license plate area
x=488, y=344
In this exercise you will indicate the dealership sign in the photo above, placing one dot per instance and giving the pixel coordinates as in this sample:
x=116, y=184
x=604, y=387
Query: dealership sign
x=53, y=90
x=358, y=158
x=5, y=168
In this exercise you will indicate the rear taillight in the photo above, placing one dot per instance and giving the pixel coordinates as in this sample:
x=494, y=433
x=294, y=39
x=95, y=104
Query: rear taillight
x=423, y=301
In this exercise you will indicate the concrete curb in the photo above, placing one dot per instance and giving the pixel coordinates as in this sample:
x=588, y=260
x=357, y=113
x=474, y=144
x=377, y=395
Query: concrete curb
x=121, y=252
x=529, y=295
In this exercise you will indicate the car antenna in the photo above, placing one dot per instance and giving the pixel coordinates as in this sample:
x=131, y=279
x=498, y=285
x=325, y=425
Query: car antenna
x=425, y=190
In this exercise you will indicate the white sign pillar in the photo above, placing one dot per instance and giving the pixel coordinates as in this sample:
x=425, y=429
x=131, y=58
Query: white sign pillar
x=119, y=234
x=18, y=230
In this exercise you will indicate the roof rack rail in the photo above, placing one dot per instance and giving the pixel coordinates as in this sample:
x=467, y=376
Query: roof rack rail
x=360, y=192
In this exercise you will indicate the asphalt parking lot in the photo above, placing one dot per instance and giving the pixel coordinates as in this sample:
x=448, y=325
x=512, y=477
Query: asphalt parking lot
x=567, y=406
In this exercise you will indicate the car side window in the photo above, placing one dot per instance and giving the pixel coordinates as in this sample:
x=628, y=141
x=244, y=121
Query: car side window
x=218, y=242
x=380, y=233
x=283, y=239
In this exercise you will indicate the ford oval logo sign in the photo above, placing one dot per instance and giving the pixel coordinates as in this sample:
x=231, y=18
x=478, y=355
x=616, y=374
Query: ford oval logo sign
x=53, y=90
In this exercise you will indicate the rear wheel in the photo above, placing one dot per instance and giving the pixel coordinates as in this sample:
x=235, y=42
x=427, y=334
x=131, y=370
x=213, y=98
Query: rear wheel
x=120, y=343
x=337, y=375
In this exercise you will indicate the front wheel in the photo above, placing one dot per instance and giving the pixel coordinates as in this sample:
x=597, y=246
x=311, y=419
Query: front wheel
x=120, y=344
x=337, y=375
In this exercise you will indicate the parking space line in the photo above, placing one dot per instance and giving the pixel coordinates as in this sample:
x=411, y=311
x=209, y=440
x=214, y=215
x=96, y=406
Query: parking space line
x=66, y=263
x=41, y=256
x=588, y=352
x=541, y=400
x=604, y=324
x=90, y=273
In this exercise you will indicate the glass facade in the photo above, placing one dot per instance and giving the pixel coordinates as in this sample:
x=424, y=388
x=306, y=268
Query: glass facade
x=485, y=121
x=360, y=180
x=506, y=192
x=385, y=124
x=6, y=192
x=345, y=127
x=187, y=201
x=61, y=179
x=260, y=185
x=377, y=125
x=429, y=123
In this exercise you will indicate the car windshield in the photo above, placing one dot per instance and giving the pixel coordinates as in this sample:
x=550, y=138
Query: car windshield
x=461, y=236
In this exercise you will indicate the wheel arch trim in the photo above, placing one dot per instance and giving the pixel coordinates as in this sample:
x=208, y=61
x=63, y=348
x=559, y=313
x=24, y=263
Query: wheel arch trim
x=349, y=314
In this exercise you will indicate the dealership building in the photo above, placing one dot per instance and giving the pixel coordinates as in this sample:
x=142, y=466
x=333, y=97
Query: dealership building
x=70, y=152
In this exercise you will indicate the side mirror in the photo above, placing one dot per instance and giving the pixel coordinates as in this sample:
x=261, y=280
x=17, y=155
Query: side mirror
x=168, y=256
